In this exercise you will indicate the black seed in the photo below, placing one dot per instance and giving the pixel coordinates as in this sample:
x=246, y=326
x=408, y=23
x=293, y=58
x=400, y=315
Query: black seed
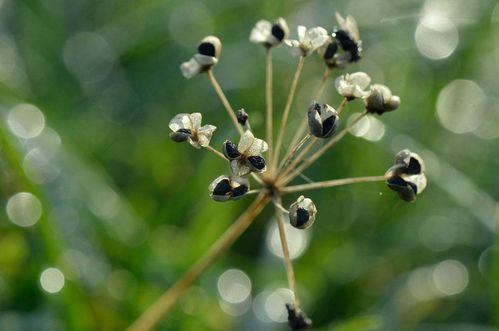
x=329, y=127
x=239, y=191
x=331, y=50
x=278, y=32
x=414, y=167
x=230, y=150
x=222, y=188
x=180, y=135
x=257, y=162
x=207, y=49
x=348, y=44
x=302, y=217
x=297, y=319
x=242, y=117
x=396, y=183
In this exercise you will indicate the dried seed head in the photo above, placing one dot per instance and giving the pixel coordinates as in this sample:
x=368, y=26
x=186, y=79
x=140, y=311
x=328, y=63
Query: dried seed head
x=322, y=120
x=187, y=127
x=209, y=50
x=302, y=213
x=297, y=319
x=242, y=117
x=381, y=100
x=353, y=86
x=269, y=34
x=347, y=35
x=407, y=176
x=226, y=188
x=249, y=159
x=308, y=40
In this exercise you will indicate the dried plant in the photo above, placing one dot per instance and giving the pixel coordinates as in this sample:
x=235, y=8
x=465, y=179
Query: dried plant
x=273, y=173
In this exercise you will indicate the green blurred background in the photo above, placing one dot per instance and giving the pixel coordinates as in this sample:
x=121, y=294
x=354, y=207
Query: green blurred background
x=101, y=212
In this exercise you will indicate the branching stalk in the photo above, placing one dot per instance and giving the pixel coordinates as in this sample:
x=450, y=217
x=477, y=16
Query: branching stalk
x=287, y=108
x=285, y=250
x=308, y=161
x=268, y=101
x=331, y=183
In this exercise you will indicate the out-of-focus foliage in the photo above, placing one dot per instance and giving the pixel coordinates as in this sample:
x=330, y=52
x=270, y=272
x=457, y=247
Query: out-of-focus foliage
x=116, y=211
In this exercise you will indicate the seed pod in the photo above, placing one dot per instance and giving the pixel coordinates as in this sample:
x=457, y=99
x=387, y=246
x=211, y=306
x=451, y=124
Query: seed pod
x=226, y=188
x=302, y=213
x=406, y=176
x=322, y=120
x=381, y=100
x=210, y=46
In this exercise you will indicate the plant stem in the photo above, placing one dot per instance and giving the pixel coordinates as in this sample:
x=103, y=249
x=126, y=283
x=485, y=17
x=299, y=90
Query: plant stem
x=224, y=100
x=285, y=161
x=268, y=100
x=321, y=151
x=298, y=159
x=287, y=108
x=331, y=183
x=211, y=149
x=160, y=307
x=285, y=250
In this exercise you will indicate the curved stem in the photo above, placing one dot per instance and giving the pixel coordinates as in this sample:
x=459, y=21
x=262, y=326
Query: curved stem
x=285, y=114
x=160, y=307
x=268, y=100
x=224, y=100
x=285, y=250
x=332, y=183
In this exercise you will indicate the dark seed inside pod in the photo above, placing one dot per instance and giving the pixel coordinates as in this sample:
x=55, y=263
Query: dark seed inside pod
x=180, y=135
x=297, y=319
x=302, y=217
x=242, y=117
x=329, y=127
x=257, y=162
x=239, y=191
x=396, y=183
x=348, y=44
x=331, y=50
x=222, y=188
x=230, y=150
x=207, y=49
x=414, y=167
x=278, y=32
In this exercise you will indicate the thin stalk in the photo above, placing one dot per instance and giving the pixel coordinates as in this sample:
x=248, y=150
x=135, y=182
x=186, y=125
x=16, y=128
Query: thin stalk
x=268, y=100
x=298, y=159
x=224, y=100
x=342, y=105
x=285, y=250
x=152, y=316
x=317, y=96
x=211, y=149
x=307, y=162
x=287, y=108
x=331, y=183
x=291, y=152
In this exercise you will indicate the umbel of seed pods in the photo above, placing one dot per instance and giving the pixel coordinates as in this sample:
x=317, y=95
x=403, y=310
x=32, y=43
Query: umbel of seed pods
x=337, y=49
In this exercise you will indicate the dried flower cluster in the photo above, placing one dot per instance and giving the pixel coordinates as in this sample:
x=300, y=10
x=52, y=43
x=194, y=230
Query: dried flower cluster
x=273, y=171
